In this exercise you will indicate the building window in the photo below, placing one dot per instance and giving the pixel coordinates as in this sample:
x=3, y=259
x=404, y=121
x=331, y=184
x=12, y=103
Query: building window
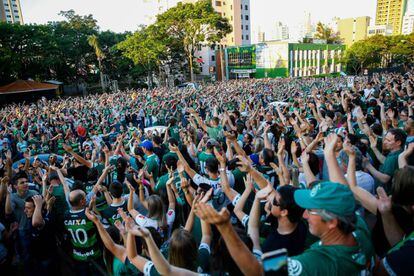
x=213, y=58
x=247, y=37
x=224, y=14
x=231, y=7
x=232, y=39
x=246, y=17
x=242, y=37
x=247, y=27
x=218, y=3
x=199, y=47
x=9, y=16
x=231, y=17
x=242, y=16
x=241, y=7
x=16, y=11
x=242, y=27
x=246, y=7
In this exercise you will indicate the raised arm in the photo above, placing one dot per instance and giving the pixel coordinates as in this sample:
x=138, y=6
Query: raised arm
x=117, y=250
x=335, y=172
x=367, y=200
x=78, y=158
x=238, y=208
x=244, y=259
x=37, y=219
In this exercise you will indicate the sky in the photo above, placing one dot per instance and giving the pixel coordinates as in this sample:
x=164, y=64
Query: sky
x=127, y=15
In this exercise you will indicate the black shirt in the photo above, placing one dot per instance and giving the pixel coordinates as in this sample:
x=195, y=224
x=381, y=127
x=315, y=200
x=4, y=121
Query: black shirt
x=79, y=173
x=293, y=242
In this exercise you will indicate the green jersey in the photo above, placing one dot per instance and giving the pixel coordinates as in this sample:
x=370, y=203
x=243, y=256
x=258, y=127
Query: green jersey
x=336, y=259
x=175, y=132
x=202, y=159
x=152, y=163
x=110, y=214
x=83, y=235
x=215, y=132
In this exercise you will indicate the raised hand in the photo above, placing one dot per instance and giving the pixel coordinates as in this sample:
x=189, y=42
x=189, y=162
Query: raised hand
x=180, y=167
x=207, y=213
x=265, y=192
x=349, y=149
x=91, y=215
x=67, y=148
x=281, y=147
x=384, y=201
x=330, y=142
x=38, y=201
x=220, y=158
x=244, y=164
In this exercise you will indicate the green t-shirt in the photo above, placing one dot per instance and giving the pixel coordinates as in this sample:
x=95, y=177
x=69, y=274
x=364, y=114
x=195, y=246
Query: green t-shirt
x=152, y=164
x=335, y=259
x=83, y=235
x=202, y=159
x=175, y=132
x=215, y=132
x=123, y=269
x=389, y=167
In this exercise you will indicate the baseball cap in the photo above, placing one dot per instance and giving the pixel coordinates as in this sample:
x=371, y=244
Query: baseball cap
x=212, y=143
x=330, y=196
x=146, y=144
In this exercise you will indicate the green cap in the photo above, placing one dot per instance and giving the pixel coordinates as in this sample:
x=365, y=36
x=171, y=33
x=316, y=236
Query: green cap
x=330, y=196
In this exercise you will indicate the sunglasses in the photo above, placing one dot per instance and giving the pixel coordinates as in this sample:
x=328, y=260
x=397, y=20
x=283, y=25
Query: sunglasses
x=275, y=202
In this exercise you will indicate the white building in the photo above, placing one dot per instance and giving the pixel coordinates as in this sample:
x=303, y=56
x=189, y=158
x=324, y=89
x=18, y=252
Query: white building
x=280, y=32
x=408, y=19
x=385, y=30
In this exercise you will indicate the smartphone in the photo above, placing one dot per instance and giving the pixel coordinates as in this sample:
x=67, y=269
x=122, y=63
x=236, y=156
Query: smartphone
x=275, y=262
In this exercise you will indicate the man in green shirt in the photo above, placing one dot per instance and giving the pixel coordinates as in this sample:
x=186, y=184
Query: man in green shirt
x=152, y=163
x=345, y=246
x=207, y=154
x=393, y=143
x=214, y=130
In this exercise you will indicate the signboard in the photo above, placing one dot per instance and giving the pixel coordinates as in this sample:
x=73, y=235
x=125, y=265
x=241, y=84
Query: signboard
x=272, y=55
x=350, y=82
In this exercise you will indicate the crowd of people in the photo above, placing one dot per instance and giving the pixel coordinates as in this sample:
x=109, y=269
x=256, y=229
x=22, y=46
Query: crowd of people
x=289, y=176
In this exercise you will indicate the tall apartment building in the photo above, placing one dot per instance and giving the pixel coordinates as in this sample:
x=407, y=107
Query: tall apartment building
x=10, y=11
x=352, y=29
x=390, y=12
x=238, y=14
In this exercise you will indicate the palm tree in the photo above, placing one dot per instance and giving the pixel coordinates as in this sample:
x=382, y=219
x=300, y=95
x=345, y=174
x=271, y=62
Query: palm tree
x=326, y=33
x=94, y=43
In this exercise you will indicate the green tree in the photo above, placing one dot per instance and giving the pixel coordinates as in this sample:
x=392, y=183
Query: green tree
x=144, y=49
x=326, y=33
x=193, y=25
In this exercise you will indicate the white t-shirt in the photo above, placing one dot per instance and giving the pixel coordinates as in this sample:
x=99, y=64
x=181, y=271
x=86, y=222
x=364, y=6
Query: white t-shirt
x=144, y=221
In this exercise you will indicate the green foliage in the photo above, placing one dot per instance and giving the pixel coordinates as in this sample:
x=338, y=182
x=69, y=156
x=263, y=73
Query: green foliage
x=61, y=51
x=379, y=51
x=326, y=33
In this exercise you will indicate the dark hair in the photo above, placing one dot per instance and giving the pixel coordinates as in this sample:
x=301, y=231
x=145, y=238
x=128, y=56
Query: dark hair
x=221, y=258
x=399, y=135
x=29, y=199
x=403, y=186
x=268, y=156
x=116, y=189
x=171, y=162
x=349, y=226
x=314, y=163
x=287, y=202
x=173, y=141
x=212, y=165
x=92, y=174
x=157, y=139
x=19, y=175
